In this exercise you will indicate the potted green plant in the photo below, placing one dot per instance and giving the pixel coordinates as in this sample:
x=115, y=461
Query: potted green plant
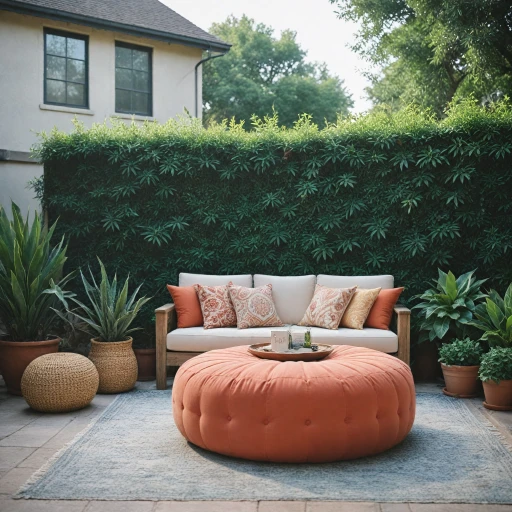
x=447, y=309
x=108, y=318
x=31, y=281
x=146, y=361
x=460, y=361
x=494, y=317
x=496, y=374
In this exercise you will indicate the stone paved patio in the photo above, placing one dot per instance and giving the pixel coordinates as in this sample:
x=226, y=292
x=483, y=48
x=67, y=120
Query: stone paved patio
x=28, y=439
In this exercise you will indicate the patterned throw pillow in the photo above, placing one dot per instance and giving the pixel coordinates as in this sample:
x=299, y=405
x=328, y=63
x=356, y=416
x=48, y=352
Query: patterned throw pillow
x=217, y=308
x=254, y=306
x=327, y=306
x=359, y=308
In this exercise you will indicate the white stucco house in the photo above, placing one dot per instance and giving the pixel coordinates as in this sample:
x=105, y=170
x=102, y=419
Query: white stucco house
x=93, y=59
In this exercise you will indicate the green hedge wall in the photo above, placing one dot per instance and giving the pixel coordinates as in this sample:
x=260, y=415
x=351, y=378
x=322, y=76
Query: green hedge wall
x=400, y=195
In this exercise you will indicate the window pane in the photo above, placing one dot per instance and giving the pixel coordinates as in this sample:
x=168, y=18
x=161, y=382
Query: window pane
x=76, y=94
x=124, y=78
x=140, y=60
x=123, y=57
x=141, y=81
x=55, y=91
x=76, y=71
x=76, y=48
x=141, y=103
x=56, y=67
x=123, y=101
x=56, y=45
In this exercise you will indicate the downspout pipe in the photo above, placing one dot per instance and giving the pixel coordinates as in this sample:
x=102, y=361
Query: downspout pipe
x=210, y=57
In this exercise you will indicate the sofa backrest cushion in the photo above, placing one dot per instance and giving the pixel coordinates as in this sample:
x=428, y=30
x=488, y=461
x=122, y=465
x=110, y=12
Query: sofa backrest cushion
x=292, y=294
x=186, y=279
x=366, y=282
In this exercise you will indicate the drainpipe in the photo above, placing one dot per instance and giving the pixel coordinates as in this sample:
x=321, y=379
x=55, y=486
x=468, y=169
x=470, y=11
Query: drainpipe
x=210, y=57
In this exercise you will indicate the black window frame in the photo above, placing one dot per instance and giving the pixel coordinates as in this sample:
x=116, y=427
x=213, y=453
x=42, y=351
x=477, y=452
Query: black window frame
x=71, y=35
x=149, y=51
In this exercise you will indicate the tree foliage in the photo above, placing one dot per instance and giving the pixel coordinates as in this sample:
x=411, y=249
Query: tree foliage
x=434, y=51
x=401, y=195
x=262, y=72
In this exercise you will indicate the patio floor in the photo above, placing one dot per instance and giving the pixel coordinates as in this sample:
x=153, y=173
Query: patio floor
x=29, y=438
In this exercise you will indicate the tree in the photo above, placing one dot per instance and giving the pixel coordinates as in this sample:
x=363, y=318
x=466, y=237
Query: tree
x=261, y=72
x=434, y=51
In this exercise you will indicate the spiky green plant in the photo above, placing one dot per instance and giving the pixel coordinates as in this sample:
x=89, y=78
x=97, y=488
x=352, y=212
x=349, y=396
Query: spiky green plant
x=448, y=308
x=494, y=317
x=28, y=267
x=110, y=312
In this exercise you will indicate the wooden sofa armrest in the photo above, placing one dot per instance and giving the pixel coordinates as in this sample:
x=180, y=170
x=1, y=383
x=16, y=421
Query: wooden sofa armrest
x=165, y=322
x=403, y=331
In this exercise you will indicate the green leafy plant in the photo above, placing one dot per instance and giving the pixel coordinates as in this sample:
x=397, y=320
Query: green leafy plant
x=496, y=365
x=465, y=352
x=31, y=277
x=494, y=317
x=111, y=312
x=448, y=308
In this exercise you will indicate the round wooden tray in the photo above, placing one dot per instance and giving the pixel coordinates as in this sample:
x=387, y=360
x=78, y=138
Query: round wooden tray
x=257, y=350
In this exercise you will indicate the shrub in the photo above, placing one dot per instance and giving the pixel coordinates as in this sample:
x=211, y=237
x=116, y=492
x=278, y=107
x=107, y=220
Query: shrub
x=401, y=195
x=464, y=352
x=496, y=365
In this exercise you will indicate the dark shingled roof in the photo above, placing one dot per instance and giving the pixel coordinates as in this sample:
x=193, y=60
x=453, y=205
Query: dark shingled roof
x=148, y=18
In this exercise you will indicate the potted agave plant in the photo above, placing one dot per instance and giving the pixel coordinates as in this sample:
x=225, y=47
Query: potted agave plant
x=28, y=267
x=460, y=361
x=108, y=318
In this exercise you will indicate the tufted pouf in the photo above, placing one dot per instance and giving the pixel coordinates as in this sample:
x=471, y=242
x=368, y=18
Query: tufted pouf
x=59, y=382
x=355, y=402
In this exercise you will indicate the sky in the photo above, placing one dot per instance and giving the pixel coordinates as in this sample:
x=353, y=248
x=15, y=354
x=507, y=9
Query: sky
x=319, y=32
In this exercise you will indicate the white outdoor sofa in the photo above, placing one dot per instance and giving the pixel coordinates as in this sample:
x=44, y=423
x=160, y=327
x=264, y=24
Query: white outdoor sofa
x=292, y=295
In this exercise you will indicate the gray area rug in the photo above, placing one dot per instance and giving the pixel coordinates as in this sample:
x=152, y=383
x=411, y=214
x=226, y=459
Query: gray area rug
x=135, y=452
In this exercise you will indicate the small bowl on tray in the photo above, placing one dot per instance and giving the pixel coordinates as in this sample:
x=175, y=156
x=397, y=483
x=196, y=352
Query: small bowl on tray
x=264, y=351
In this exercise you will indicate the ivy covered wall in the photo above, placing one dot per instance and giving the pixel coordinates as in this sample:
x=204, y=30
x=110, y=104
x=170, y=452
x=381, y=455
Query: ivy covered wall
x=399, y=195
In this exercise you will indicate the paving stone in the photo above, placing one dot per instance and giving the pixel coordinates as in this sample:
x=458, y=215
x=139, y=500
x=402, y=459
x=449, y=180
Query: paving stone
x=10, y=505
x=341, y=506
x=458, y=507
x=11, y=456
x=64, y=436
x=120, y=506
x=14, y=479
x=206, y=506
x=282, y=506
x=31, y=436
x=38, y=458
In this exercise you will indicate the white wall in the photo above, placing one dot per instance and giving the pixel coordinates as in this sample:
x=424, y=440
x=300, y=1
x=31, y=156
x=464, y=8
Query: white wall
x=21, y=88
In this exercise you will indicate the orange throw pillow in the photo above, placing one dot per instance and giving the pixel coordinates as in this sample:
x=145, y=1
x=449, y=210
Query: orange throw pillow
x=187, y=306
x=382, y=310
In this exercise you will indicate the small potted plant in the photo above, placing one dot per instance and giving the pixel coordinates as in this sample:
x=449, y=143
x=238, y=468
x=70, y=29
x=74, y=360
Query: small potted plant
x=31, y=281
x=496, y=374
x=108, y=318
x=460, y=362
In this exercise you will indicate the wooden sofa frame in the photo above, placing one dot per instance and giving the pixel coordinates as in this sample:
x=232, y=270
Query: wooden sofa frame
x=166, y=322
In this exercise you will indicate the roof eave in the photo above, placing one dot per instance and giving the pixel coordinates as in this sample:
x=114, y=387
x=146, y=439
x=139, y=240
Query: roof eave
x=54, y=14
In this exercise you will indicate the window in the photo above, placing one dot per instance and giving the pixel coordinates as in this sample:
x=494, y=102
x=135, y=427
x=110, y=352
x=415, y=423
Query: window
x=65, y=69
x=133, y=80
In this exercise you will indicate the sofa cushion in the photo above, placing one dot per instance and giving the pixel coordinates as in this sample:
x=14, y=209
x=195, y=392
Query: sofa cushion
x=218, y=310
x=292, y=294
x=359, y=308
x=188, y=308
x=382, y=311
x=384, y=281
x=186, y=279
x=197, y=339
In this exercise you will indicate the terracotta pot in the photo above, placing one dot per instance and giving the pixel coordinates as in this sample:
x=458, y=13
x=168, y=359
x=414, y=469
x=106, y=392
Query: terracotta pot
x=461, y=381
x=498, y=396
x=15, y=356
x=146, y=361
x=116, y=365
x=426, y=366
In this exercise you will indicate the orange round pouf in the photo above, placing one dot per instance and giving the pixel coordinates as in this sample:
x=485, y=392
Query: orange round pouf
x=355, y=402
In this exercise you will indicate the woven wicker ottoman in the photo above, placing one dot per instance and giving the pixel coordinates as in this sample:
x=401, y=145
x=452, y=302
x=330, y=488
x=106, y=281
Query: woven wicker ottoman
x=59, y=382
x=354, y=403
